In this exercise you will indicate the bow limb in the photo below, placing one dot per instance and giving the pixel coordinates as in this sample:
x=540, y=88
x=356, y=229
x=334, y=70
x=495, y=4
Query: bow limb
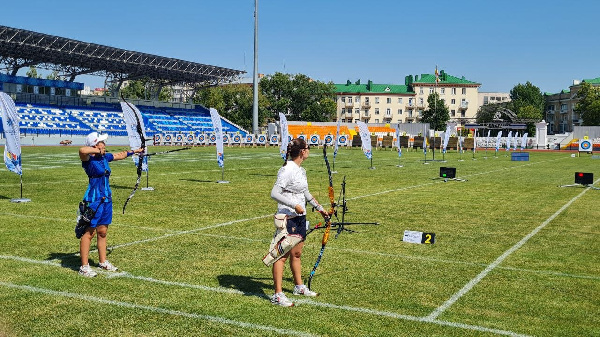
x=140, y=132
x=330, y=213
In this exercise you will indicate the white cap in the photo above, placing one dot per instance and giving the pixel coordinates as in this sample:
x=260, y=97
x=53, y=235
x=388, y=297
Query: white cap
x=93, y=138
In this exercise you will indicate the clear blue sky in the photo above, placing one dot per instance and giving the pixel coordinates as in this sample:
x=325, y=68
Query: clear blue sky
x=496, y=43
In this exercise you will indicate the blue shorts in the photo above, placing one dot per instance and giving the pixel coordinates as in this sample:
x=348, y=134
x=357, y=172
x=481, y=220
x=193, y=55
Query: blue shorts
x=103, y=215
x=297, y=225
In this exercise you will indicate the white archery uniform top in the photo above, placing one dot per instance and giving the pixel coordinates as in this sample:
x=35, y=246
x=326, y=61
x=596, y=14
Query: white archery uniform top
x=293, y=189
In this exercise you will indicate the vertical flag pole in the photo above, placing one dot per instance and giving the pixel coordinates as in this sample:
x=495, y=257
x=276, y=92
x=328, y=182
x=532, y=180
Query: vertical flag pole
x=21, y=199
x=460, y=147
x=474, y=142
x=435, y=97
x=147, y=188
x=424, y=147
x=487, y=143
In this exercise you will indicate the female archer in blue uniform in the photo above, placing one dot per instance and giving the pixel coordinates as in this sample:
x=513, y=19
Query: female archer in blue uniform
x=98, y=196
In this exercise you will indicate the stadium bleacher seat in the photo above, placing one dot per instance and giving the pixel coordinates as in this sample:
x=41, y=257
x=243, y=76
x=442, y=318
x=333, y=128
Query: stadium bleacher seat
x=76, y=120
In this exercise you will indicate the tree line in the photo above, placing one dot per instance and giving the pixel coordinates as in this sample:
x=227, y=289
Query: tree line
x=304, y=99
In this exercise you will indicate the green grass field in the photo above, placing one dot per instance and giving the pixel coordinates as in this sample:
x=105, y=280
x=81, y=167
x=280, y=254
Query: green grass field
x=514, y=254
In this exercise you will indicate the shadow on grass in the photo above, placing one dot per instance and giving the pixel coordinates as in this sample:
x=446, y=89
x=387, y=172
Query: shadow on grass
x=198, y=181
x=250, y=286
x=70, y=261
x=262, y=175
x=4, y=197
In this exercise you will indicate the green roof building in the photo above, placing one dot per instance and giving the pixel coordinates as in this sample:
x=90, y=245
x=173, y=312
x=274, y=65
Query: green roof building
x=404, y=103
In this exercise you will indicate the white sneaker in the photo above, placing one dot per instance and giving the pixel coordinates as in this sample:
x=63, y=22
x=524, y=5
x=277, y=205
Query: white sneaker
x=282, y=300
x=303, y=290
x=108, y=266
x=87, y=271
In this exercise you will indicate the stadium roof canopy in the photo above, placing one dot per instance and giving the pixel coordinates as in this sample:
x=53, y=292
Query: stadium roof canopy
x=22, y=48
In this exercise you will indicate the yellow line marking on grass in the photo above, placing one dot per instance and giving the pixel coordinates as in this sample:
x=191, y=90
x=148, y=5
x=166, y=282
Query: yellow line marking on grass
x=439, y=310
x=299, y=301
x=216, y=319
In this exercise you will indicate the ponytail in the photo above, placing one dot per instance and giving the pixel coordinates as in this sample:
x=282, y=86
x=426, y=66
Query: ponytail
x=287, y=153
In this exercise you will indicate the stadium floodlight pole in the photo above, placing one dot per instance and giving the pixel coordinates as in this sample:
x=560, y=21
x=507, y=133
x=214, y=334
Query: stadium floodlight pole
x=255, y=77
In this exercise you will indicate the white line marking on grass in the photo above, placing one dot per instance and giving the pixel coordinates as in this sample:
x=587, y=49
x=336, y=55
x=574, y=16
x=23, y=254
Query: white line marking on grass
x=159, y=310
x=393, y=190
x=190, y=231
x=300, y=301
x=439, y=310
x=165, y=236
x=552, y=273
x=440, y=181
x=416, y=257
x=73, y=221
x=409, y=318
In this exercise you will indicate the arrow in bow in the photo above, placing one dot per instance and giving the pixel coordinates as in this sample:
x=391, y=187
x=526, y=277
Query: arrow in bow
x=330, y=213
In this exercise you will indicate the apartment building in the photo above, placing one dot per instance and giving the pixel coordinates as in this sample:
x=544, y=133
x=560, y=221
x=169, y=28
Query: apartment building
x=485, y=98
x=395, y=103
x=560, y=108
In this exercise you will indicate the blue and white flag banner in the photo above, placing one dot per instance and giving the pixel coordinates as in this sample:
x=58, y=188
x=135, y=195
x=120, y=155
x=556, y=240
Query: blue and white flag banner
x=130, y=112
x=216, y=120
x=515, y=142
x=284, y=135
x=524, y=141
x=449, y=128
x=365, y=137
x=498, y=140
x=508, y=139
x=10, y=122
x=487, y=141
x=337, y=137
x=398, y=142
x=460, y=143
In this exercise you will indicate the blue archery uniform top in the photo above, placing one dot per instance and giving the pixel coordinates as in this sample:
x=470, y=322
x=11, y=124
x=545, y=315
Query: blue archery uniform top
x=98, y=173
